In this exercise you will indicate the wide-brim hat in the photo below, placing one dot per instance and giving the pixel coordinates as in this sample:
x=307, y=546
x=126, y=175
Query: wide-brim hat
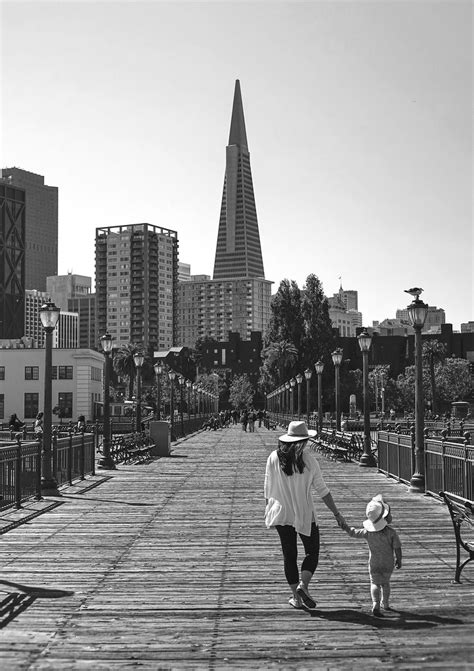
x=376, y=512
x=297, y=431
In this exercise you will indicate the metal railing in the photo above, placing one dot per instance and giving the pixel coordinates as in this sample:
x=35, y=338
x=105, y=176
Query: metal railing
x=448, y=465
x=20, y=466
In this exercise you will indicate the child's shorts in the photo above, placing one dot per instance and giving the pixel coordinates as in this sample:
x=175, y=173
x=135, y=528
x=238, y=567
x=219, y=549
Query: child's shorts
x=380, y=577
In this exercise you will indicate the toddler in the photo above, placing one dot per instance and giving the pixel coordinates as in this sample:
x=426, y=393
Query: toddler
x=384, y=543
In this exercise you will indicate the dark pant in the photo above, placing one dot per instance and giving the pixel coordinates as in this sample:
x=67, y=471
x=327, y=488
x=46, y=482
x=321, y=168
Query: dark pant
x=288, y=540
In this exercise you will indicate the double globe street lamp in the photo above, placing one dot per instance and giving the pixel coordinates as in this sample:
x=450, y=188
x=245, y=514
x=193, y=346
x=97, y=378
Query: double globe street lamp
x=365, y=341
x=49, y=315
x=106, y=460
x=308, y=373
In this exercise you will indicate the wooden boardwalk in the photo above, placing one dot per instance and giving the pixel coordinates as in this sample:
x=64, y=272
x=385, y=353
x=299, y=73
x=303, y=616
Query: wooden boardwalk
x=169, y=566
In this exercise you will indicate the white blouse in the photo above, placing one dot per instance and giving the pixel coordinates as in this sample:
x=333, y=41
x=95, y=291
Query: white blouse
x=290, y=499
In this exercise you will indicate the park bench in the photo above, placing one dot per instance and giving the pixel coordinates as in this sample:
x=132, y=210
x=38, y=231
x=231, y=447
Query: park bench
x=334, y=444
x=461, y=512
x=137, y=449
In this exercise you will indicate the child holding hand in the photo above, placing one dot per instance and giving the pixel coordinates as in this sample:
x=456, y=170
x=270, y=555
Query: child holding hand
x=384, y=544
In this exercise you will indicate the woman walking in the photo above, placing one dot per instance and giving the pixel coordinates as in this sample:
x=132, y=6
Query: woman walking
x=291, y=473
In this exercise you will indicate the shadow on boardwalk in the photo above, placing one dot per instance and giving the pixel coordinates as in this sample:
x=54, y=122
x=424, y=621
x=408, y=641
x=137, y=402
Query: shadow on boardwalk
x=168, y=565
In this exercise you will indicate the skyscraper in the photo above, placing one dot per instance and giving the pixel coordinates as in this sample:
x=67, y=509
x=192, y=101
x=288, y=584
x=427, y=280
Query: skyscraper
x=12, y=260
x=238, y=297
x=41, y=226
x=238, y=251
x=136, y=270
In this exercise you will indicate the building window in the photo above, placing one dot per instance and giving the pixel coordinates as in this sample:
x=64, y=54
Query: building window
x=31, y=373
x=65, y=404
x=96, y=374
x=2, y=372
x=65, y=372
x=31, y=408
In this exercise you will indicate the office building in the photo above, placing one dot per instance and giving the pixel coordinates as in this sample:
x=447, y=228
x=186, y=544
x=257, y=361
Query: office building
x=66, y=333
x=238, y=297
x=63, y=287
x=136, y=284
x=85, y=308
x=12, y=260
x=41, y=226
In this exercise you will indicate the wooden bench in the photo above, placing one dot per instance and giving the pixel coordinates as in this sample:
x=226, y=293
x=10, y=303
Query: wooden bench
x=461, y=511
x=334, y=444
x=137, y=449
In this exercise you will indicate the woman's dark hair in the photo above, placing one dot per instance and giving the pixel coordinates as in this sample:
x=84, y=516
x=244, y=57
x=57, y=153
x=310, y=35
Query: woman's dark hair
x=290, y=456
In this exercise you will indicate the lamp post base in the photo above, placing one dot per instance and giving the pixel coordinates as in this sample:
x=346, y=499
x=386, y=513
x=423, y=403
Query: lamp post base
x=49, y=487
x=417, y=483
x=107, y=463
x=368, y=461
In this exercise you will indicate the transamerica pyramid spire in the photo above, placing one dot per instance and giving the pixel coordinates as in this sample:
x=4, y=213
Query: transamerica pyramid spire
x=238, y=251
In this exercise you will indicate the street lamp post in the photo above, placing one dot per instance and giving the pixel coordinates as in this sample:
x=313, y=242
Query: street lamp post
x=417, y=311
x=299, y=380
x=181, y=382
x=292, y=395
x=189, y=384
x=308, y=373
x=319, y=367
x=49, y=315
x=287, y=400
x=365, y=341
x=172, y=376
x=106, y=460
x=138, y=359
x=337, y=360
x=158, y=368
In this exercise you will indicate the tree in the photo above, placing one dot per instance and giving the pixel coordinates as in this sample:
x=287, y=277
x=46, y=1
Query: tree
x=318, y=340
x=286, y=321
x=277, y=360
x=454, y=379
x=434, y=352
x=124, y=364
x=241, y=392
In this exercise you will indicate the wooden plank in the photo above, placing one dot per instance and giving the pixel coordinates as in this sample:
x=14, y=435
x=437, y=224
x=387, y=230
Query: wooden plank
x=170, y=566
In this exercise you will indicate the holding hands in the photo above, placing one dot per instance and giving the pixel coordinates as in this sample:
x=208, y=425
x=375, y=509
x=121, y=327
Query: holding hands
x=341, y=522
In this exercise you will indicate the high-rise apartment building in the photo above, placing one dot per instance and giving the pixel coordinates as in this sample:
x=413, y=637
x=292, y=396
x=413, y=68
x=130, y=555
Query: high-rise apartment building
x=238, y=297
x=136, y=283
x=41, y=226
x=12, y=260
x=85, y=308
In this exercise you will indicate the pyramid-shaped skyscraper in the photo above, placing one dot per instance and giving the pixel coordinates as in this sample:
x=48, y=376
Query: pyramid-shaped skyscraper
x=238, y=252
x=237, y=299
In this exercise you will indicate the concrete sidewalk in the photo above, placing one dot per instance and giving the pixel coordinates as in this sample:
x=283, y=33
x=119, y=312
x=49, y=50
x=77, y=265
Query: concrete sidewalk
x=169, y=565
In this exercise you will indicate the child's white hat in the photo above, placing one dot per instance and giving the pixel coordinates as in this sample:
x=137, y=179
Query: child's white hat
x=376, y=512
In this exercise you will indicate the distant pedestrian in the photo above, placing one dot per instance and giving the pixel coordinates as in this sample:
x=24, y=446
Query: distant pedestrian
x=39, y=425
x=292, y=472
x=15, y=424
x=244, y=418
x=252, y=418
x=384, y=544
x=81, y=424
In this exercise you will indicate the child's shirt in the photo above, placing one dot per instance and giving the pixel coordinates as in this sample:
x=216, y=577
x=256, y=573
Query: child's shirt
x=382, y=545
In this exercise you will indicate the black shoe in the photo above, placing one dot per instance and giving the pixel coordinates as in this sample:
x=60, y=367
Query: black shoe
x=376, y=612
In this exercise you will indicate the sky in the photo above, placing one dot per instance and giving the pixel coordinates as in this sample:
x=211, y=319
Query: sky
x=358, y=118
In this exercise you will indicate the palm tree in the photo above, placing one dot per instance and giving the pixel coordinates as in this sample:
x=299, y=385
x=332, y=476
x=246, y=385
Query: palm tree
x=124, y=364
x=434, y=352
x=282, y=355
